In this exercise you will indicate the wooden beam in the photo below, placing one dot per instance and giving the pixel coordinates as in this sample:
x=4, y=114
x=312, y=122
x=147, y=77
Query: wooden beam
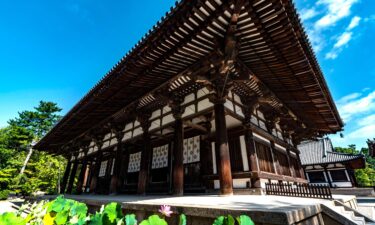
x=195, y=126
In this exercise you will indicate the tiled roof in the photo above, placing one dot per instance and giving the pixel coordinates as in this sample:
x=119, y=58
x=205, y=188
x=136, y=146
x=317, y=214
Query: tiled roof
x=321, y=152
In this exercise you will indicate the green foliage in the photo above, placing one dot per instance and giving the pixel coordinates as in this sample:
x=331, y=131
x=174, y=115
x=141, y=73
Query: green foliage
x=42, y=170
x=244, y=220
x=112, y=213
x=11, y=218
x=130, y=219
x=182, y=220
x=154, y=220
x=229, y=220
x=39, y=121
x=366, y=176
x=6, y=176
x=62, y=211
x=4, y=194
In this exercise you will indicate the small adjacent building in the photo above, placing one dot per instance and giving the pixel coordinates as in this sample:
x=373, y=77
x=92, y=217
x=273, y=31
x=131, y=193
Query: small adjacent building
x=323, y=165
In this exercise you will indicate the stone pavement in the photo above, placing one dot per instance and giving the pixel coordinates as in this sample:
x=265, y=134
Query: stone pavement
x=234, y=202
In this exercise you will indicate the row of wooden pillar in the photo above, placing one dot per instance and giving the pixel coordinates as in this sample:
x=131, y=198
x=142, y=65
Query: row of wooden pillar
x=221, y=148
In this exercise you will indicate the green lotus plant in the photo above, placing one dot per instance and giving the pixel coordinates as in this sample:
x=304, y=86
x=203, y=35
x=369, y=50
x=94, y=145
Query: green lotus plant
x=62, y=211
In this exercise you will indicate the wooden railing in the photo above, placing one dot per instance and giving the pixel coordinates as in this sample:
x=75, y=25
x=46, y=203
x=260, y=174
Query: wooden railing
x=299, y=190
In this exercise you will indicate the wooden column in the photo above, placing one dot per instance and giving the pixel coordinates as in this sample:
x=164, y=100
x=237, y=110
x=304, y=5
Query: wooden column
x=302, y=172
x=178, y=148
x=124, y=167
x=72, y=177
x=253, y=158
x=66, y=176
x=81, y=176
x=206, y=154
x=275, y=160
x=291, y=170
x=115, y=179
x=249, y=104
x=222, y=148
x=91, y=168
x=271, y=119
x=296, y=139
x=96, y=170
x=145, y=156
x=286, y=136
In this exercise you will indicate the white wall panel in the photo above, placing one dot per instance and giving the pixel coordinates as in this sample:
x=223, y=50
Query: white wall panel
x=240, y=183
x=189, y=110
x=155, y=114
x=138, y=131
x=202, y=92
x=189, y=98
x=204, y=104
x=167, y=119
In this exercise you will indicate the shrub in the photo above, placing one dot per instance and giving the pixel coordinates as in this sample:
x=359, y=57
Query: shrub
x=63, y=211
x=4, y=194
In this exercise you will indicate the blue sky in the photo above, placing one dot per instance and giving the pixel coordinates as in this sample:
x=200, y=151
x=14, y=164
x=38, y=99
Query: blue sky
x=57, y=50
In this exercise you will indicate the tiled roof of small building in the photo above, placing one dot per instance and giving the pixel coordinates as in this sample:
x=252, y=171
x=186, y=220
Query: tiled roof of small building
x=321, y=152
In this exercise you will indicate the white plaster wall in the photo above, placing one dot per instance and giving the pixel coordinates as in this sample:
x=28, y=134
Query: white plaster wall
x=189, y=110
x=189, y=98
x=241, y=183
x=216, y=184
x=204, y=104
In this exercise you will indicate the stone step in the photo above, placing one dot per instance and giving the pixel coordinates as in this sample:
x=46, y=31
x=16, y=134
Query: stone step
x=349, y=215
x=359, y=220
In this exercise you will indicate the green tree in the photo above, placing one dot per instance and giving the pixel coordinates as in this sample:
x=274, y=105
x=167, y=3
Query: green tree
x=366, y=176
x=39, y=121
x=42, y=170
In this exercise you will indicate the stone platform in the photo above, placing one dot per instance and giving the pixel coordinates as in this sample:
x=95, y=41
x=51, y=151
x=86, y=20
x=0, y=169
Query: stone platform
x=204, y=208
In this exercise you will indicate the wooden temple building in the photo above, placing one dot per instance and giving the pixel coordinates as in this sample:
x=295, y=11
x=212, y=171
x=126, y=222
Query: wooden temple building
x=215, y=97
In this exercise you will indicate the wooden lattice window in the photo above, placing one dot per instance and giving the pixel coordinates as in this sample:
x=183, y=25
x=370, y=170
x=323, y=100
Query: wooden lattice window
x=103, y=168
x=296, y=166
x=264, y=157
x=283, y=163
x=235, y=155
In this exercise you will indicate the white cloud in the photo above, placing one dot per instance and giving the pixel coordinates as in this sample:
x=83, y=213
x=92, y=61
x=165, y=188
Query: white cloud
x=358, y=111
x=343, y=39
x=336, y=10
x=331, y=55
x=365, y=132
x=328, y=13
x=354, y=22
x=366, y=120
x=356, y=105
x=306, y=14
x=315, y=39
x=349, y=97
